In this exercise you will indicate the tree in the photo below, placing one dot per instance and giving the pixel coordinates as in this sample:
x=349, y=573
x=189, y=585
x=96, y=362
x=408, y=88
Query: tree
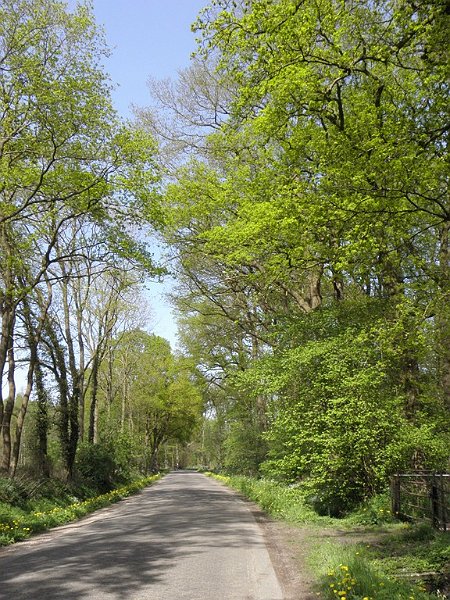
x=165, y=399
x=317, y=223
x=66, y=161
x=184, y=112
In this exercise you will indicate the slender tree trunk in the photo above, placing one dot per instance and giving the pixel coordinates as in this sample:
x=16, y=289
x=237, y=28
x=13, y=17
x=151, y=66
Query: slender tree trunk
x=8, y=411
x=42, y=423
x=6, y=333
x=75, y=395
x=109, y=385
x=443, y=314
x=21, y=415
x=34, y=336
x=61, y=376
x=123, y=406
x=92, y=437
x=81, y=358
x=8, y=313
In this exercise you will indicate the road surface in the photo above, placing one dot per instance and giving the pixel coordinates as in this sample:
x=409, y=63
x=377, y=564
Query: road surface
x=186, y=537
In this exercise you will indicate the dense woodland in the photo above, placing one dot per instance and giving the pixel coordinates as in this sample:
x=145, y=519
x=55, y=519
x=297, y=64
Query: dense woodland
x=297, y=175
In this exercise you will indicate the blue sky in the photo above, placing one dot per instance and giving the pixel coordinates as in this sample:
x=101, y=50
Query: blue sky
x=147, y=38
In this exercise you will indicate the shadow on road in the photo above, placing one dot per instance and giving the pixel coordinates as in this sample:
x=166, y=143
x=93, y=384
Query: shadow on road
x=132, y=546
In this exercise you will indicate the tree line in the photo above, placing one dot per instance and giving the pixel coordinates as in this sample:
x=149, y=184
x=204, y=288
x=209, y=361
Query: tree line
x=308, y=215
x=79, y=196
x=297, y=173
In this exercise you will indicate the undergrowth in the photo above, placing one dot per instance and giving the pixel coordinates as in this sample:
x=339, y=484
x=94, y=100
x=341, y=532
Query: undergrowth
x=24, y=514
x=347, y=572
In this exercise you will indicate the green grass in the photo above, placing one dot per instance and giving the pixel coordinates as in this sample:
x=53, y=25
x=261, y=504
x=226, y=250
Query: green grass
x=414, y=549
x=276, y=500
x=347, y=572
x=23, y=517
x=383, y=563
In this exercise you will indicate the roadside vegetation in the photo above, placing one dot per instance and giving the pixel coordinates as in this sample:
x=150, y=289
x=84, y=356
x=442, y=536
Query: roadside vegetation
x=307, y=218
x=28, y=506
x=366, y=555
x=297, y=174
x=79, y=204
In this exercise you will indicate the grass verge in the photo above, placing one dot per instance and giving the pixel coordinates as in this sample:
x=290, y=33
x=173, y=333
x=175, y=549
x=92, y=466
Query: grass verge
x=18, y=523
x=385, y=560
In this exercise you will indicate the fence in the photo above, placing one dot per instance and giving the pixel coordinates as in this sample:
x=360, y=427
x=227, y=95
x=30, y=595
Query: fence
x=422, y=496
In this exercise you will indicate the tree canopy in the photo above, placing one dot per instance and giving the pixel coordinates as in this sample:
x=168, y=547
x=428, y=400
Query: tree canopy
x=297, y=173
x=315, y=222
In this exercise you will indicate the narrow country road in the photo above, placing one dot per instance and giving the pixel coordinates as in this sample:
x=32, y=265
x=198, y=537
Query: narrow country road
x=186, y=537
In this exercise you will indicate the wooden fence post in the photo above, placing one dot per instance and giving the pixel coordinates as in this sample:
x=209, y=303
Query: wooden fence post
x=443, y=500
x=395, y=496
x=435, y=503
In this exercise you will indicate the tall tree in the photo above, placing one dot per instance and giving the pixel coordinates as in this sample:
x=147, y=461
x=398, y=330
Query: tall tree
x=323, y=193
x=64, y=158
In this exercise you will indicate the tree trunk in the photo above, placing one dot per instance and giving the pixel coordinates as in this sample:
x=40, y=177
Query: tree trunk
x=34, y=335
x=8, y=411
x=81, y=358
x=92, y=437
x=21, y=416
x=123, y=405
x=61, y=376
x=443, y=314
x=75, y=395
x=42, y=423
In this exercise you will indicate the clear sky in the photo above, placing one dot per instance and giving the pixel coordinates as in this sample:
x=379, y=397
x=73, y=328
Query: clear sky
x=147, y=38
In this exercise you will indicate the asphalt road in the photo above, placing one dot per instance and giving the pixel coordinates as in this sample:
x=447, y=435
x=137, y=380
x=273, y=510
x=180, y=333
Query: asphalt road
x=186, y=537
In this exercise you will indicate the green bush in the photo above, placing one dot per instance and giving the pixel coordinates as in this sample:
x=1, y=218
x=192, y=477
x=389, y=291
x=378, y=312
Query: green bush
x=97, y=463
x=19, y=490
x=375, y=511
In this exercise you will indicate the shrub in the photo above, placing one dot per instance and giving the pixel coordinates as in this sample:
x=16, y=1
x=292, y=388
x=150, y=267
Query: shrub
x=96, y=462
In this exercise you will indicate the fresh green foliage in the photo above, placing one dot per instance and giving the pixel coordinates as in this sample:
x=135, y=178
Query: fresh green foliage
x=276, y=499
x=77, y=184
x=97, y=463
x=339, y=420
x=374, y=511
x=158, y=402
x=312, y=236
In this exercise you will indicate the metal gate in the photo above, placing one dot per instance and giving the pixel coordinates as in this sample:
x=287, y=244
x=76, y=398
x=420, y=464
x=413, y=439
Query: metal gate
x=422, y=495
